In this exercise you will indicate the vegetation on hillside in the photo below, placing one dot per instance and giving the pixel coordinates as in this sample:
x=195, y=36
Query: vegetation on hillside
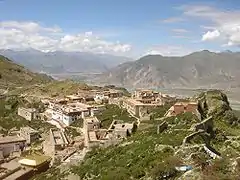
x=148, y=154
x=138, y=158
x=53, y=89
x=13, y=75
x=113, y=112
x=215, y=103
x=9, y=118
x=124, y=90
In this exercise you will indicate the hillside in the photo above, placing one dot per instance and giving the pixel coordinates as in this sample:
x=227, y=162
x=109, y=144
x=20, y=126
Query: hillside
x=60, y=89
x=13, y=75
x=151, y=155
x=64, y=62
x=198, y=70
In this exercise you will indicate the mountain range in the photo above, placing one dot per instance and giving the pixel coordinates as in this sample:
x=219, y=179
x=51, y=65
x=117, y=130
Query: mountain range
x=202, y=69
x=64, y=62
x=13, y=75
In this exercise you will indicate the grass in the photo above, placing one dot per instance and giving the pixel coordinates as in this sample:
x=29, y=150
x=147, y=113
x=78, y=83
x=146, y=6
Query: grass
x=72, y=132
x=78, y=123
x=9, y=118
x=12, y=75
x=237, y=113
x=228, y=129
x=54, y=89
x=159, y=111
x=114, y=112
x=139, y=157
x=133, y=161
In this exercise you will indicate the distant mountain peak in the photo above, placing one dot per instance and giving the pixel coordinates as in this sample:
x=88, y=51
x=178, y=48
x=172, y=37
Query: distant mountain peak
x=199, y=69
x=60, y=62
x=227, y=51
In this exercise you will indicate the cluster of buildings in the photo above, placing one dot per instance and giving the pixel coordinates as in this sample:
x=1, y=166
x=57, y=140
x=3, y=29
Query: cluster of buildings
x=74, y=107
x=15, y=144
x=12, y=164
x=69, y=109
x=142, y=101
x=95, y=136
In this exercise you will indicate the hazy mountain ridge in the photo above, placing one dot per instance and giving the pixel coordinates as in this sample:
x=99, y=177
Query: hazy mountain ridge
x=64, y=62
x=14, y=75
x=200, y=69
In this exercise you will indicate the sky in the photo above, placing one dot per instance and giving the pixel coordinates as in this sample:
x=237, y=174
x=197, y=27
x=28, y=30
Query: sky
x=130, y=28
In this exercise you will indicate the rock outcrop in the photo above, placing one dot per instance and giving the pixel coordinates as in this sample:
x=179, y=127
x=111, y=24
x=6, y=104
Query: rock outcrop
x=215, y=103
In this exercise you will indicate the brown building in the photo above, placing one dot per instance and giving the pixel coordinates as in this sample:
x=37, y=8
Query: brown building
x=182, y=107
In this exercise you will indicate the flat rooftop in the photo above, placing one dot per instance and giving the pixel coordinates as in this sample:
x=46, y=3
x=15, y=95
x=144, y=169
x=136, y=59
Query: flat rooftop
x=138, y=103
x=34, y=160
x=11, y=139
x=185, y=103
x=19, y=173
x=68, y=109
x=74, y=97
x=80, y=105
x=133, y=101
x=28, y=129
x=92, y=136
x=58, y=137
x=91, y=119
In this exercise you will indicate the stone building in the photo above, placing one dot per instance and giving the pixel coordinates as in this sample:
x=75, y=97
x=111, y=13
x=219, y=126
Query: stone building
x=138, y=108
x=56, y=141
x=26, y=113
x=91, y=123
x=11, y=144
x=75, y=98
x=31, y=135
x=97, y=109
x=121, y=129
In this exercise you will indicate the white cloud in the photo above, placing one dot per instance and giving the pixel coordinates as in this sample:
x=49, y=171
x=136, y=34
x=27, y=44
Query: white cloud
x=181, y=37
x=23, y=35
x=225, y=25
x=28, y=26
x=180, y=30
x=173, y=20
x=169, y=50
x=211, y=35
x=89, y=42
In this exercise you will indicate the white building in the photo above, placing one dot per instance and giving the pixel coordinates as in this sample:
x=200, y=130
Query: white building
x=100, y=98
x=69, y=113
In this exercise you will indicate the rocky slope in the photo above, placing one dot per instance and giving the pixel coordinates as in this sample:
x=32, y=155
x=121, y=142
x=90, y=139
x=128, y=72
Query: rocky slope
x=198, y=70
x=186, y=140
